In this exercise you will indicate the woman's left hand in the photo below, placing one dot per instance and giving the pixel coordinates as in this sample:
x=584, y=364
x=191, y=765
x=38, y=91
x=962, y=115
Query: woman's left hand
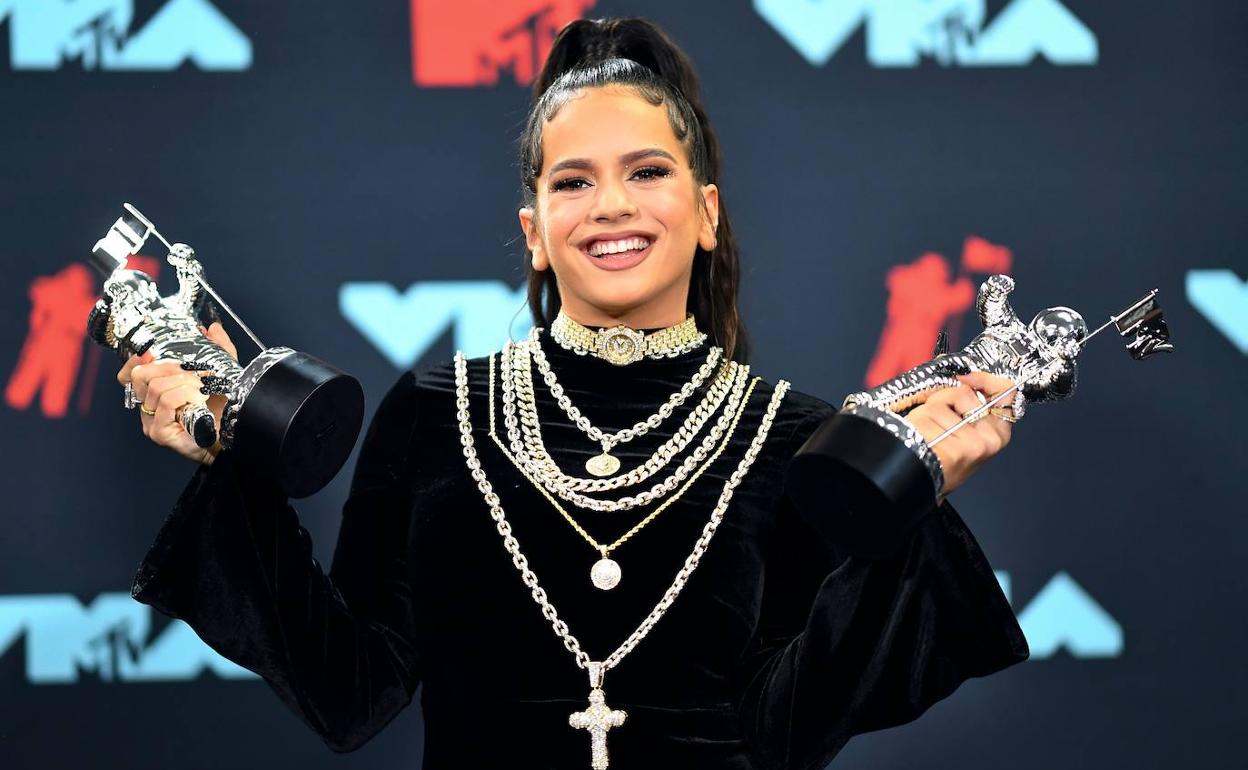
x=967, y=448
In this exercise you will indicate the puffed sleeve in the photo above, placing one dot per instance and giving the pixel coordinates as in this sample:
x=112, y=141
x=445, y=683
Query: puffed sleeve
x=233, y=562
x=849, y=643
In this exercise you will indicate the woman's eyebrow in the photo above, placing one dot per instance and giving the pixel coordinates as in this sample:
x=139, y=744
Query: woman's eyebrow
x=625, y=159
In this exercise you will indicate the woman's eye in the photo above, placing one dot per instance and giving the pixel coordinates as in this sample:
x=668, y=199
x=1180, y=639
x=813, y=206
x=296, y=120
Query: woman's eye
x=567, y=184
x=653, y=172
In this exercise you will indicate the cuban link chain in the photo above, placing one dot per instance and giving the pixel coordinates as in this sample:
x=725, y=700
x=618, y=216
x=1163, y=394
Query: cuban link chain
x=606, y=572
x=627, y=502
x=606, y=464
x=518, y=387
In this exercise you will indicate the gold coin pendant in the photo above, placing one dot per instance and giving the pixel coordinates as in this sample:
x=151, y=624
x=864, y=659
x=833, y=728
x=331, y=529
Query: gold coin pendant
x=604, y=464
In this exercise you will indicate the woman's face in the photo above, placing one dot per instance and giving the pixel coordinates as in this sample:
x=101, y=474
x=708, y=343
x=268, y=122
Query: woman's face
x=614, y=172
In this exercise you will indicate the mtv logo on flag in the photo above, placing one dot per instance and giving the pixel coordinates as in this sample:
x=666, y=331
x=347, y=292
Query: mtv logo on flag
x=468, y=43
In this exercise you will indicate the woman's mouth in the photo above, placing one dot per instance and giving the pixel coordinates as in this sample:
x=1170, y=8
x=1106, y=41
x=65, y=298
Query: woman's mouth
x=619, y=255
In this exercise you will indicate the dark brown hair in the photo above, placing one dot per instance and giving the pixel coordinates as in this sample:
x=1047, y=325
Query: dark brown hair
x=637, y=54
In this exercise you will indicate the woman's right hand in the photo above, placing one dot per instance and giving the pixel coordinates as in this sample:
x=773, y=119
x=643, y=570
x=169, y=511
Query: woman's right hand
x=163, y=387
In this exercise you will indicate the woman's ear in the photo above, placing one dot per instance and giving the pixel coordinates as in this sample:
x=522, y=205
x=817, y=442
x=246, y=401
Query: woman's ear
x=707, y=237
x=533, y=240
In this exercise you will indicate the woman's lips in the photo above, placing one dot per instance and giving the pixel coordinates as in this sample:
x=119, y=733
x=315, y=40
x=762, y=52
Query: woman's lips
x=622, y=261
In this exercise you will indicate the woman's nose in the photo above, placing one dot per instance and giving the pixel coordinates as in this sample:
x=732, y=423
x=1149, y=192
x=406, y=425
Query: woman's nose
x=612, y=201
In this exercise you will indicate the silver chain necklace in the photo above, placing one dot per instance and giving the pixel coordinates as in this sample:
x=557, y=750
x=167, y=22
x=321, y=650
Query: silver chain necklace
x=606, y=464
x=606, y=573
x=598, y=718
x=532, y=452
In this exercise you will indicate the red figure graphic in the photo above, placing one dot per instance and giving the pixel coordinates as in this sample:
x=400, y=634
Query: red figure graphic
x=52, y=353
x=465, y=43
x=53, y=350
x=981, y=256
x=922, y=298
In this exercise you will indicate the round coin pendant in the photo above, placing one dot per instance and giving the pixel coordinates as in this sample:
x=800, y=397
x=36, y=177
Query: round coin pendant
x=604, y=464
x=605, y=574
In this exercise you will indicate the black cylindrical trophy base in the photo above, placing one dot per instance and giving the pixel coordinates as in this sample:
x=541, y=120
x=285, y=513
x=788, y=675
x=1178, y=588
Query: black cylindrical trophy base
x=299, y=423
x=859, y=485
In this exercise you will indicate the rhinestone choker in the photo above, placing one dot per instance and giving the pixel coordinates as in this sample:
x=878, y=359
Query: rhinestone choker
x=621, y=345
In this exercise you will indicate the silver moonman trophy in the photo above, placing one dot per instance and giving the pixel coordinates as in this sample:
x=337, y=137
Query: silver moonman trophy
x=871, y=456
x=288, y=415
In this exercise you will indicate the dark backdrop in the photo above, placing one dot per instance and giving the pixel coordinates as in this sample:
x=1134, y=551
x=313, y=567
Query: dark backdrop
x=322, y=171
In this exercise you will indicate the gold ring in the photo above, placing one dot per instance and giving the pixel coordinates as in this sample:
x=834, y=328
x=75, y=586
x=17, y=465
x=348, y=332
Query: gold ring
x=1002, y=413
x=149, y=412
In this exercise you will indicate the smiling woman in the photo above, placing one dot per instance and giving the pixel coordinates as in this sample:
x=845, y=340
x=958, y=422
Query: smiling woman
x=744, y=633
x=638, y=213
x=614, y=149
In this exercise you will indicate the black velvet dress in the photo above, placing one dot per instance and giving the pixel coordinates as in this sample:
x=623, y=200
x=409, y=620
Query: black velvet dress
x=780, y=648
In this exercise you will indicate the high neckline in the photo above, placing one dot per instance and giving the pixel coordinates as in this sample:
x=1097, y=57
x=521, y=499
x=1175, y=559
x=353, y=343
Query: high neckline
x=612, y=396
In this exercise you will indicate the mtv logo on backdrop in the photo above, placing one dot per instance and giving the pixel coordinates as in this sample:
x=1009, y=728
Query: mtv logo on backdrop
x=1064, y=617
x=46, y=34
x=107, y=639
x=466, y=43
x=901, y=33
x=404, y=326
x=1222, y=298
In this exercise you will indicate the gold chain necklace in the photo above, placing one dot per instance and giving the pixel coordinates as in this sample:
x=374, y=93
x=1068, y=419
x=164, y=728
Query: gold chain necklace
x=606, y=572
x=621, y=345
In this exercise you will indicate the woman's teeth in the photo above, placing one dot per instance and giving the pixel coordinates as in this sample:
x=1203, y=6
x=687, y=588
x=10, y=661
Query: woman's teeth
x=601, y=248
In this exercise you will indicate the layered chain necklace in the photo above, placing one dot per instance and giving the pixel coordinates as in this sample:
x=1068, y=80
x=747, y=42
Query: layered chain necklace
x=606, y=573
x=598, y=717
x=606, y=464
x=525, y=433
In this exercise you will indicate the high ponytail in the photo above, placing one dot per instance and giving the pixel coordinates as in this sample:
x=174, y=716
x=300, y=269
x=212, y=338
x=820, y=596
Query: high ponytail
x=637, y=54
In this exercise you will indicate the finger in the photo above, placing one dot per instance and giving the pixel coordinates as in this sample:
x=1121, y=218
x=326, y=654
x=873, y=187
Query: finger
x=939, y=414
x=123, y=375
x=1003, y=429
x=216, y=333
x=961, y=399
x=988, y=439
x=170, y=400
x=143, y=375
x=965, y=400
x=158, y=386
x=995, y=434
x=990, y=384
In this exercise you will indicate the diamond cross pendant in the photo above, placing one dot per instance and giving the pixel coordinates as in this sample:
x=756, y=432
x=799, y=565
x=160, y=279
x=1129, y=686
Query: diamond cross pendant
x=597, y=719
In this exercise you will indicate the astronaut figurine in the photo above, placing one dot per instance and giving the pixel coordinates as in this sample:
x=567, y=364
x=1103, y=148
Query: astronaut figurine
x=868, y=449
x=1047, y=346
x=289, y=414
x=132, y=318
